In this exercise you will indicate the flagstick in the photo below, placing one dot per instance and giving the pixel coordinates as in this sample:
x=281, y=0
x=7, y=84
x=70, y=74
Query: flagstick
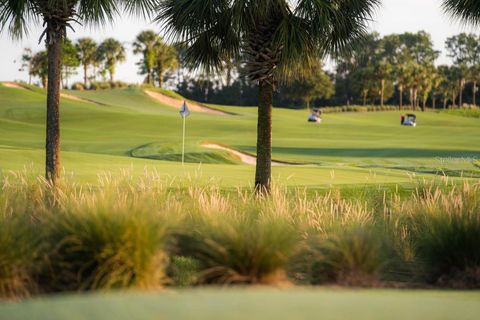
x=183, y=145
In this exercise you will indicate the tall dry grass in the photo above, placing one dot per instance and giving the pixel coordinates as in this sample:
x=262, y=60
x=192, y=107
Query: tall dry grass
x=149, y=231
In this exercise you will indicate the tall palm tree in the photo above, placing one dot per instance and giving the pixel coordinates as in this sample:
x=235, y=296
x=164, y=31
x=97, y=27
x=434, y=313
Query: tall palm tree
x=57, y=16
x=86, y=49
x=464, y=10
x=145, y=44
x=272, y=37
x=112, y=52
x=165, y=60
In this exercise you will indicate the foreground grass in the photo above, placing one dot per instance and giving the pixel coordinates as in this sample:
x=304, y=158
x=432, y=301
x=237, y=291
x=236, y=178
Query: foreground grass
x=260, y=303
x=148, y=232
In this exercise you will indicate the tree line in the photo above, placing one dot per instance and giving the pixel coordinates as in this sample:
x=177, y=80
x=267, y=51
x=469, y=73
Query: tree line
x=397, y=69
x=98, y=61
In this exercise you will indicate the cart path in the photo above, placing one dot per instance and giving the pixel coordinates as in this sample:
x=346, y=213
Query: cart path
x=177, y=103
x=245, y=157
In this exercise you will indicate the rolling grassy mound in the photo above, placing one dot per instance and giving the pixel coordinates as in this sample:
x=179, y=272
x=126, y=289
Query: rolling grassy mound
x=124, y=128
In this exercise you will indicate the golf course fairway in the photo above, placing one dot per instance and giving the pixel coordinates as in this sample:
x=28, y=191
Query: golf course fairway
x=126, y=130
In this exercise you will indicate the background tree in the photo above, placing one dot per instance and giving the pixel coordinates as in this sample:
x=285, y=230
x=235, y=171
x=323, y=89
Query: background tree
x=437, y=80
x=40, y=67
x=26, y=63
x=348, y=64
x=474, y=77
x=165, y=60
x=315, y=84
x=112, y=52
x=274, y=37
x=70, y=61
x=365, y=82
x=57, y=16
x=86, y=50
x=144, y=44
x=383, y=71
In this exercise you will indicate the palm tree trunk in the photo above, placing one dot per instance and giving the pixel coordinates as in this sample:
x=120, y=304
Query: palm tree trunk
x=52, y=163
x=400, y=88
x=85, y=78
x=263, y=174
x=474, y=93
x=160, y=78
x=460, y=98
x=382, y=92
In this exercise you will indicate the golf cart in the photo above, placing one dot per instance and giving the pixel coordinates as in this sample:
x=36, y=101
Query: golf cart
x=409, y=120
x=315, y=116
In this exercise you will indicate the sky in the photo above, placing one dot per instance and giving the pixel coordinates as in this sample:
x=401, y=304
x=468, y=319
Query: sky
x=394, y=16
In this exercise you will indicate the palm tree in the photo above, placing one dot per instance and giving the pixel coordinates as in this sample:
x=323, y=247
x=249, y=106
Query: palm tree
x=165, y=60
x=271, y=37
x=40, y=67
x=112, y=52
x=145, y=44
x=464, y=10
x=26, y=63
x=86, y=48
x=57, y=16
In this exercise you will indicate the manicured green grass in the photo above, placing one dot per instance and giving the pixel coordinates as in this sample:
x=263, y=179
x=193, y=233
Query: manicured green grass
x=348, y=148
x=260, y=303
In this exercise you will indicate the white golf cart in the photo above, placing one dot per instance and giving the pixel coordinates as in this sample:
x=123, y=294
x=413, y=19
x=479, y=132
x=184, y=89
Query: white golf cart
x=315, y=115
x=409, y=120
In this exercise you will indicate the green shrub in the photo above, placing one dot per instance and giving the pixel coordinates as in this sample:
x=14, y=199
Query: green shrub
x=242, y=248
x=78, y=86
x=105, y=85
x=103, y=247
x=183, y=271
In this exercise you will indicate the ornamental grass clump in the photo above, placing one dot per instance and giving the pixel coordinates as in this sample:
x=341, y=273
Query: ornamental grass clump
x=239, y=248
x=445, y=230
x=350, y=256
x=103, y=246
x=18, y=255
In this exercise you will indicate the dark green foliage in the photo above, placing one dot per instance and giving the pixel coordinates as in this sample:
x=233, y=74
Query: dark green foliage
x=447, y=247
x=183, y=271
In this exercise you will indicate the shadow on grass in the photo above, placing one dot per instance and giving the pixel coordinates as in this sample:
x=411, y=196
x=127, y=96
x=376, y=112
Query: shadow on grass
x=458, y=154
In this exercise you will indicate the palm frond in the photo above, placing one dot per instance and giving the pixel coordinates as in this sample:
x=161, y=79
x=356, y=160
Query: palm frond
x=467, y=11
x=205, y=26
x=15, y=16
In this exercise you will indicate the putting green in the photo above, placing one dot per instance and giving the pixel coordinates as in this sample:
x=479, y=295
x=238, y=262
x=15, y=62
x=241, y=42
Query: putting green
x=125, y=129
x=292, y=304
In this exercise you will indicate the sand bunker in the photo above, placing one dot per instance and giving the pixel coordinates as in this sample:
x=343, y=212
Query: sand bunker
x=12, y=85
x=177, y=103
x=243, y=156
